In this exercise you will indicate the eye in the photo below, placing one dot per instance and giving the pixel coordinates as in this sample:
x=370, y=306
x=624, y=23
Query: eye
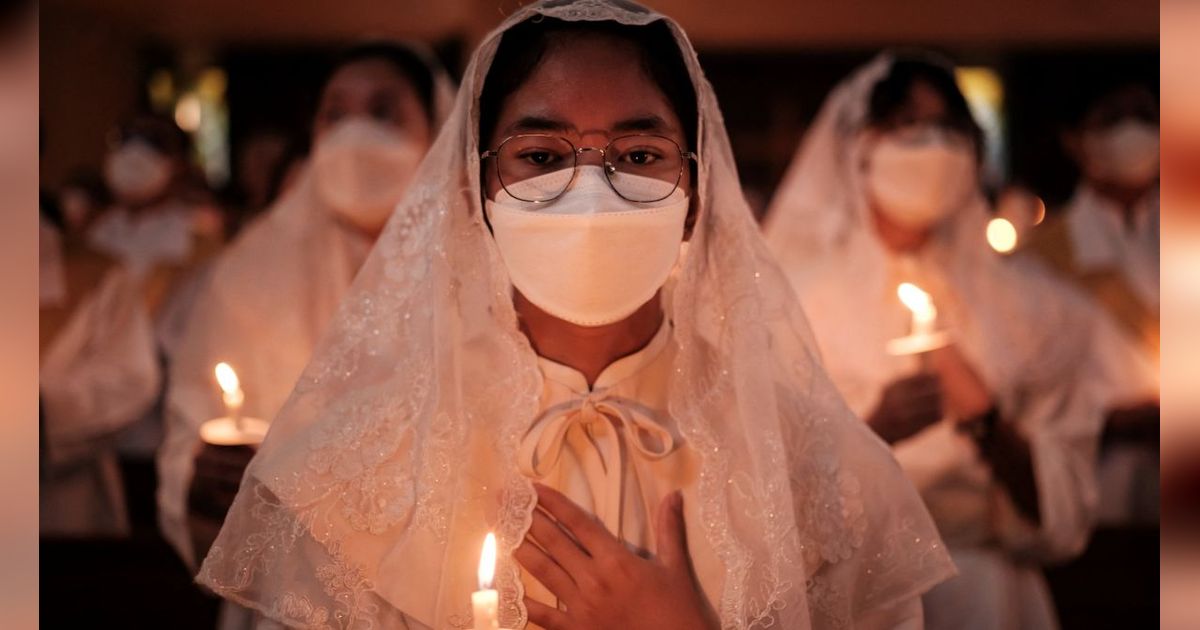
x=539, y=157
x=381, y=113
x=641, y=156
x=384, y=108
x=332, y=115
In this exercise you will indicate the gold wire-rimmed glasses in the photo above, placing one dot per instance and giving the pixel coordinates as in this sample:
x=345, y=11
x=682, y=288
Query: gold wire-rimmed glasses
x=631, y=163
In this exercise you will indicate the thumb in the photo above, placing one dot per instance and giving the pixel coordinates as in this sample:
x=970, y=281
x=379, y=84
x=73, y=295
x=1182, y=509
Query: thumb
x=672, y=536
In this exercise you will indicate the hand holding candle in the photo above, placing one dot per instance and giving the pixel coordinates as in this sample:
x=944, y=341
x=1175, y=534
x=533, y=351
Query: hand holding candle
x=486, y=601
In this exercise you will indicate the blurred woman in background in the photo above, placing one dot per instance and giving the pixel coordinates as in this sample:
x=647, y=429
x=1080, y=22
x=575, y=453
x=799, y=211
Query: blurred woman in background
x=996, y=429
x=274, y=290
x=98, y=374
x=1106, y=242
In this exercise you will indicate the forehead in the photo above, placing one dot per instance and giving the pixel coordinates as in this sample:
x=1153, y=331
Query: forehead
x=924, y=101
x=365, y=75
x=589, y=83
x=1128, y=101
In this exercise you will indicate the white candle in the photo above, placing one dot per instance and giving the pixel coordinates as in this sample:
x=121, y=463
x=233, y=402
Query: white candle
x=231, y=392
x=924, y=313
x=486, y=601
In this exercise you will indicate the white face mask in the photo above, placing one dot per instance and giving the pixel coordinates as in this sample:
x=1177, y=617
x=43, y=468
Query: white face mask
x=920, y=181
x=362, y=167
x=136, y=172
x=590, y=257
x=1125, y=153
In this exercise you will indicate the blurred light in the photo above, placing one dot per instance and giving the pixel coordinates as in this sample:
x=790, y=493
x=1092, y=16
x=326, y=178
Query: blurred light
x=187, y=113
x=983, y=90
x=211, y=84
x=980, y=85
x=1039, y=214
x=161, y=89
x=1001, y=235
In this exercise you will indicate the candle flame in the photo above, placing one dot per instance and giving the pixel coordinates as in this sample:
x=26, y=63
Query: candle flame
x=915, y=299
x=487, y=562
x=227, y=378
x=1002, y=235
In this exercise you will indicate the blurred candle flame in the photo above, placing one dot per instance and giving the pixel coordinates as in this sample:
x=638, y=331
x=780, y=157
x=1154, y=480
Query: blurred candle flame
x=916, y=300
x=231, y=387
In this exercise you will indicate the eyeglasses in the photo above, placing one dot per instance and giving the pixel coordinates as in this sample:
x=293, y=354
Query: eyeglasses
x=630, y=164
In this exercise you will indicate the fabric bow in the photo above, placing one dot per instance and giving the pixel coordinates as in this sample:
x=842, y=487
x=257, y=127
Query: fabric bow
x=611, y=425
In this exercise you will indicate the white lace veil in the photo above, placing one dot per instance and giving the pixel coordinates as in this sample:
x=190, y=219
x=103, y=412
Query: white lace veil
x=397, y=450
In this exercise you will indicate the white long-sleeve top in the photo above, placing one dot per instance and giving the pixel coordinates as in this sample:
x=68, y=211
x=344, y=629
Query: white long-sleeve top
x=98, y=375
x=1103, y=240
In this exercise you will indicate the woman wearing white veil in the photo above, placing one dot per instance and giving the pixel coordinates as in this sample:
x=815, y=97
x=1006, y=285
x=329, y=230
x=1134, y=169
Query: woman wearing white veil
x=275, y=289
x=998, y=430
x=437, y=399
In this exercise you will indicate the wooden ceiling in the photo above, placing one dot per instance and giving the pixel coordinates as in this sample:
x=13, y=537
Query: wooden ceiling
x=719, y=23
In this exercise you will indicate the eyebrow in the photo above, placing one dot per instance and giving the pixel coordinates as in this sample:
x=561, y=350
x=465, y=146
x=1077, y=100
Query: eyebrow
x=648, y=122
x=539, y=123
x=642, y=122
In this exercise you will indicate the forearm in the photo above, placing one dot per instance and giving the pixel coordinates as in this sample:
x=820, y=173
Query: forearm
x=1010, y=457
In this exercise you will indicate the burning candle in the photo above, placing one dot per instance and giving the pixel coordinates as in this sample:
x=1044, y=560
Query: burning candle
x=232, y=429
x=231, y=393
x=486, y=601
x=924, y=313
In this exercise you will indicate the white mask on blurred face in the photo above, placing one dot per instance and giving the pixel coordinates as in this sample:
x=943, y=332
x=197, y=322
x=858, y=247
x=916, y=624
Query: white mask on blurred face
x=361, y=168
x=1125, y=153
x=589, y=257
x=918, y=180
x=136, y=172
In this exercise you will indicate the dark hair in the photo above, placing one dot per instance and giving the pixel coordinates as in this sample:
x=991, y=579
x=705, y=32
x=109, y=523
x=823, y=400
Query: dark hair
x=892, y=93
x=523, y=46
x=1108, y=104
x=156, y=130
x=405, y=60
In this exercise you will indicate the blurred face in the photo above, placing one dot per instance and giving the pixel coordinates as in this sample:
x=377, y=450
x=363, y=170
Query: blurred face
x=917, y=168
x=144, y=161
x=584, y=91
x=372, y=88
x=369, y=136
x=1117, y=145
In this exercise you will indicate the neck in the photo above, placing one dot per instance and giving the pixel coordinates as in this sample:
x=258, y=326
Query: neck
x=147, y=206
x=588, y=349
x=898, y=238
